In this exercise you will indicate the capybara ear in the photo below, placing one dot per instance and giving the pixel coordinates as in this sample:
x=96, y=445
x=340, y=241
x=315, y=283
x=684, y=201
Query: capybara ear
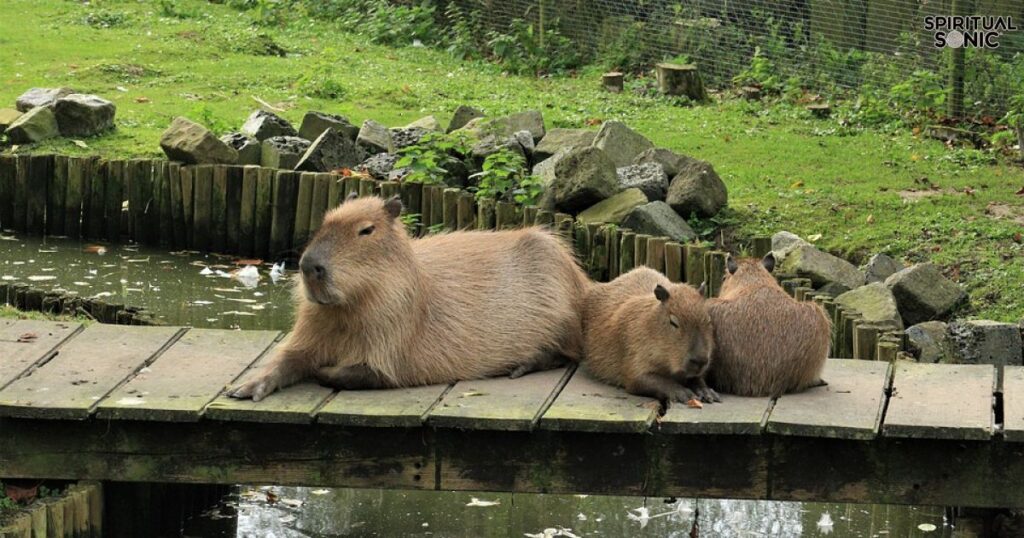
x=661, y=293
x=730, y=264
x=351, y=196
x=703, y=288
x=393, y=206
x=768, y=262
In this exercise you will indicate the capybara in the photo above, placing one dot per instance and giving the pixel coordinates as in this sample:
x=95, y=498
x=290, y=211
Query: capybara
x=377, y=309
x=766, y=342
x=648, y=335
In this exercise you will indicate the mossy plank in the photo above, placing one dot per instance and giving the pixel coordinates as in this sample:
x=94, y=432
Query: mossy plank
x=335, y=191
x=202, y=196
x=499, y=403
x=656, y=253
x=640, y=249
x=8, y=173
x=586, y=404
x=412, y=197
x=674, y=261
x=466, y=219
x=106, y=202
x=188, y=186
x=218, y=236
x=247, y=211
x=734, y=415
x=24, y=343
x=233, y=210
x=160, y=211
x=263, y=210
x=319, y=203
x=1013, y=403
x=694, y=264
x=283, y=199
x=367, y=187
x=187, y=376
x=87, y=368
x=171, y=222
x=40, y=175
x=849, y=407
x=436, y=205
x=941, y=401
x=450, y=208
x=303, y=205
x=485, y=214
x=19, y=210
x=627, y=251
x=387, y=408
x=57, y=192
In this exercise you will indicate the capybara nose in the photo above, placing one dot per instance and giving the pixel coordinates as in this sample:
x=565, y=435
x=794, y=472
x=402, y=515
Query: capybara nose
x=312, y=269
x=698, y=363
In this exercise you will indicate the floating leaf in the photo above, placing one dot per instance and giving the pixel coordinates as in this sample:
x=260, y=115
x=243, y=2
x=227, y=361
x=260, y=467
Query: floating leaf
x=814, y=237
x=926, y=527
x=797, y=185
x=694, y=403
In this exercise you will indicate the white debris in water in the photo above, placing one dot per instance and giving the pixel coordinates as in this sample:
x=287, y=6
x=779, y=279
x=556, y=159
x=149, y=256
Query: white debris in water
x=320, y=491
x=248, y=276
x=581, y=516
x=291, y=503
x=552, y=532
x=200, y=302
x=277, y=272
x=131, y=401
x=825, y=523
x=206, y=271
x=642, y=516
x=8, y=277
x=287, y=519
x=81, y=283
x=477, y=502
x=102, y=294
x=237, y=313
x=926, y=527
x=39, y=278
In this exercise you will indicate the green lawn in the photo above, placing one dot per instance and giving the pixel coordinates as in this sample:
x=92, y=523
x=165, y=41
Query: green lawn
x=784, y=169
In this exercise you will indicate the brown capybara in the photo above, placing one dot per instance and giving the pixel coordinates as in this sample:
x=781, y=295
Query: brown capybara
x=378, y=309
x=648, y=335
x=766, y=342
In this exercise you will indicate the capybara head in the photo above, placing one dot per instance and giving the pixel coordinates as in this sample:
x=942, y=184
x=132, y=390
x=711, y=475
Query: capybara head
x=358, y=241
x=686, y=325
x=748, y=272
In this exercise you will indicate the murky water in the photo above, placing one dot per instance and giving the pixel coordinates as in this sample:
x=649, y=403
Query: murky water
x=188, y=288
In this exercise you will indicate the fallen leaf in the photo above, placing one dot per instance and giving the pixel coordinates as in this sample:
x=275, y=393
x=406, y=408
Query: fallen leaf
x=142, y=99
x=694, y=403
x=916, y=131
x=477, y=502
x=253, y=261
x=591, y=122
x=20, y=494
x=27, y=337
x=471, y=393
x=915, y=157
x=814, y=237
x=81, y=144
x=870, y=219
x=1017, y=238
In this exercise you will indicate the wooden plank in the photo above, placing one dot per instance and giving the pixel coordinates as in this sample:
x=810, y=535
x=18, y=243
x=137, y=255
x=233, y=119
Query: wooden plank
x=87, y=368
x=694, y=263
x=167, y=171
x=941, y=401
x=303, y=205
x=177, y=221
x=217, y=241
x=19, y=211
x=734, y=415
x=263, y=212
x=500, y=403
x=39, y=175
x=74, y=196
x=247, y=211
x=8, y=174
x=24, y=343
x=187, y=376
x=335, y=191
x=450, y=208
x=586, y=404
x=285, y=194
x=140, y=201
x=57, y=196
x=388, y=408
x=656, y=253
x=202, y=194
x=233, y=209
x=293, y=405
x=466, y=219
x=436, y=206
x=849, y=407
x=107, y=201
x=320, y=199
x=188, y=186
x=1013, y=403
x=674, y=261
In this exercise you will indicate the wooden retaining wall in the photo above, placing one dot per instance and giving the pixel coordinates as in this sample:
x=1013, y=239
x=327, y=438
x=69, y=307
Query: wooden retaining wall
x=77, y=513
x=65, y=303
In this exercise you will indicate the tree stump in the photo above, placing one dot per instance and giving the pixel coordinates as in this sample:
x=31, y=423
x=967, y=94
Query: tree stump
x=820, y=110
x=612, y=82
x=751, y=93
x=676, y=79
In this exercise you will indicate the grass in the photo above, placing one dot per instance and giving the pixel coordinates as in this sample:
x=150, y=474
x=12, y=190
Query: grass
x=785, y=170
x=9, y=312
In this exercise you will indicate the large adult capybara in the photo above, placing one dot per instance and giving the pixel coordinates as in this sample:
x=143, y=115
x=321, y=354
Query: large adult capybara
x=648, y=335
x=766, y=342
x=378, y=309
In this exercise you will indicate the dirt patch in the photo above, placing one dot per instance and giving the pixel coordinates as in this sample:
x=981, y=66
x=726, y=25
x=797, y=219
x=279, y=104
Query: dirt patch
x=1005, y=212
x=913, y=195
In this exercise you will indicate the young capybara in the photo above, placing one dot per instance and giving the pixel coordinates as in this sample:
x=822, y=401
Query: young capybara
x=378, y=309
x=766, y=342
x=648, y=335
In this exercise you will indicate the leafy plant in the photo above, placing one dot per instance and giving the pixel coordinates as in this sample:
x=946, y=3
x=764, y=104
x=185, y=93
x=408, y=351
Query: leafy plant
x=761, y=73
x=430, y=159
x=505, y=177
x=381, y=21
x=464, y=42
x=526, y=51
x=322, y=82
x=174, y=10
x=922, y=92
x=205, y=115
x=105, y=18
x=1014, y=118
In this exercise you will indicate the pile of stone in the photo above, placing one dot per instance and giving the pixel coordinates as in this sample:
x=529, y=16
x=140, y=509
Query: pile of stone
x=44, y=113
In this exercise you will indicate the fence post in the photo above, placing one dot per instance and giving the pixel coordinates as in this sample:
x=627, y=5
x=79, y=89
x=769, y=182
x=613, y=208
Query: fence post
x=956, y=69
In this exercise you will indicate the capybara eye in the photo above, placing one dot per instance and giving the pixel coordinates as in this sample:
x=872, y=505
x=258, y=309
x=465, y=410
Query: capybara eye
x=366, y=231
x=674, y=321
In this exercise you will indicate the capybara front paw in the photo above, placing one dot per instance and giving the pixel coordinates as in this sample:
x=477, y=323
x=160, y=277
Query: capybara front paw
x=683, y=395
x=708, y=395
x=256, y=389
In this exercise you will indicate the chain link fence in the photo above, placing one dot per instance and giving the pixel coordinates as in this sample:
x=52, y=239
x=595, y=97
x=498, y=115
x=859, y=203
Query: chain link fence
x=823, y=45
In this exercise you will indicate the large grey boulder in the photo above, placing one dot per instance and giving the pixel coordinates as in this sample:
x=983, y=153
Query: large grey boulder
x=463, y=115
x=191, y=143
x=558, y=139
x=621, y=143
x=875, y=303
x=986, y=342
x=283, y=151
x=380, y=166
x=614, y=209
x=427, y=123
x=929, y=342
x=583, y=177
x=658, y=219
x=648, y=177
x=262, y=125
x=531, y=121
x=37, y=97
x=833, y=289
x=407, y=136
x=330, y=151
x=923, y=293
x=697, y=189
x=79, y=114
x=491, y=144
x=880, y=267
x=821, y=267
x=669, y=160
x=375, y=138
x=35, y=125
x=545, y=170
x=315, y=123
x=7, y=117
x=784, y=242
x=248, y=148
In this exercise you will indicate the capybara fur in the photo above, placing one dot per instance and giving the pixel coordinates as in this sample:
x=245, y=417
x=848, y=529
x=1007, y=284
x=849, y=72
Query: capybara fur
x=766, y=342
x=377, y=309
x=648, y=335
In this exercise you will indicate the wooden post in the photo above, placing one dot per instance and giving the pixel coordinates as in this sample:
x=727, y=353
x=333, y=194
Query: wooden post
x=74, y=199
x=436, y=206
x=800, y=294
x=282, y=224
x=264, y=212
x=175, y=209
x=614, y=233
x=303, y=204
x=367, y=187
x=247, y=211
x=203, y=196
x=188, y=188
x=715, y=271
x=852, y=319
x=39, y=178
x=505, y=216
x=486, y=218
x=233, y=209
x=529, y=215
x=336, y=191
x=694, y=264
x=865, y=338
x=390, y=189
x=627, y=251
x=319, y=201
x=19, y=209
x=564, y=225
x=612, y=81
x=581, y=243
x=106, y=200
x=681, y=79
x=450, y=211
x=218, y=210
x=140, y=189
x=466, y=219
x=656, y=253
x=761, y=247
x=351, y=185
x=412, y=198
x=544, y=218
x=8, y=174
x=163, y=206
x=56, y=196
x=641, y=249
x=674, y=261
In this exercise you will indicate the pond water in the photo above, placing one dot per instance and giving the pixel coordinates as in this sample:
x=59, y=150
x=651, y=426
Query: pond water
x=188, y=288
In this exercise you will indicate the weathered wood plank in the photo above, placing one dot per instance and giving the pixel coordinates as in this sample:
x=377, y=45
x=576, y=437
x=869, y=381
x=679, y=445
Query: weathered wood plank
x=187, y=376
x=247, y=211
x=88, y=367
x=735, y=415
x=941, y=401
x=8, y=173
x=57, y=196
x=19, y=210
x=388, y=408
x=303, y=206
x=264, y=212
x=106, y=201
x=168, y=175
x=499, y=403
x=24, y=343
x=188, y=186
x=202, y=194
x=218, y=233
x=849, y=407
x=318, y=204
x=586, y=404
x=73, y=197
x=233, y=209
x=40, y=173
x=1013, y=403
x=285, y=194
x=176, y=207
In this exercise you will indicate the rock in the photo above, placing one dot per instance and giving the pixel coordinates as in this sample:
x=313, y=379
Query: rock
x=821, y=267
x=7, y=117
x=929, y=342
x=658, y=219
x=315, y=123
x=331, y=151
x=36, y=97
x=35, y=125
x=283, y=151
x=407, y=136
x=986, y=342
x=875, y=303
x=614, y=209
x=262, y=125
x=375, y=138
x=783, y=242
x=833, y=289
x=491, y=144
x=923, y=293
x=621, y=143
x=545, y=170
x=648, y=177
x=531, y=121
x=476, y=129
x=248, y=148
x=525, y=141
x=463, y=115
x=83, y=115
x=562, y=139
x=697, y=189
x=881, y=267
x=669, y=160
x=191, y=143
x=583, y=177
x=427, y=123
x=380, y=166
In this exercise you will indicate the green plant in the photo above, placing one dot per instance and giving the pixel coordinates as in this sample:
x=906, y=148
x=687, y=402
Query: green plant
x=410, y=221
x=505, y=177
x=105, y=18
x=174, y=10
x=464, y=42
x=922, y=92
x=321, y=81
x=380, y=21
x=761, y=73
x=205, y=115
x=430, y=159
x=526, y=51
x=1014, y=118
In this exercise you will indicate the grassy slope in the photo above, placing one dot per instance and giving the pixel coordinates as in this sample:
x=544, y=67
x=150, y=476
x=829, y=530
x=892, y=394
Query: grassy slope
x=784, y=169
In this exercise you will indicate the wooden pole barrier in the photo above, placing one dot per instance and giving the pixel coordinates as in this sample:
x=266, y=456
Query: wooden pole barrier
x=8, y=174
x=505, y=216
x=39, y=179
x=656, y=253
x=529, y=215
x=74, y=196
x=412, y=198
x=335, y=191
x=486, y=218
x=674, y=261
x=598, y=266
x=390, y=189
x=247, y=212
x=218, y=210
x=188, y=200
x=450, y=205
x=264, y=212
x=282, y=225
x=715, y=271
x=466, y=218
x=303, y=205
x=57, y=191
x=436, y=206
x=233, y=208
x=367, y=187
x=641, y=249
x=351, y=185
x=761, y=246
x=320, y=201
x=564, y=225
x=852, y=319
x=106, y=200
x=544, y=218
x=175, y=207
x=627, y=251
x=694, y=264
x=614, y=234
x=865, y=339
x=581, y=243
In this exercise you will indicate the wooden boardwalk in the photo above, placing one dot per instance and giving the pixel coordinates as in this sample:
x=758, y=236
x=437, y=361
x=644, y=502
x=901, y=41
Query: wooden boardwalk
x=146, y=404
